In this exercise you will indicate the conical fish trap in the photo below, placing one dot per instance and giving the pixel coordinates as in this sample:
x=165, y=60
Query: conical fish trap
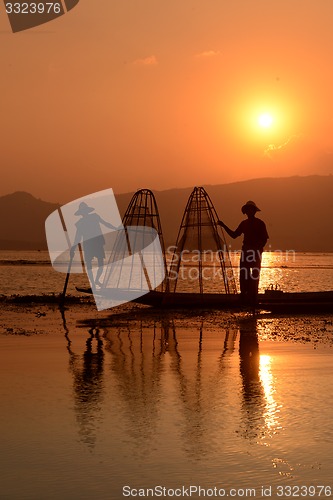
x=201, y=261
x=141, y=215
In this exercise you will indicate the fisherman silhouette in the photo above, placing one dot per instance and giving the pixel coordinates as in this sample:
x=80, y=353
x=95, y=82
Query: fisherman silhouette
x=88, y=231
x=255, y=238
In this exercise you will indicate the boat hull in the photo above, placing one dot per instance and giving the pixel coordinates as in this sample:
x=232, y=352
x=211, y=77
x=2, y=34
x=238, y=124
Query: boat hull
x=279, y=302
x=271, y=300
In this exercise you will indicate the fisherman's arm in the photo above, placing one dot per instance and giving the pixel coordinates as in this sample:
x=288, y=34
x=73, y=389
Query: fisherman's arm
x=107, y=224
x=231, y=233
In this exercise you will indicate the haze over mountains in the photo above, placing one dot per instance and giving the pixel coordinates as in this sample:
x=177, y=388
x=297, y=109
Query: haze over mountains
x=298, y=212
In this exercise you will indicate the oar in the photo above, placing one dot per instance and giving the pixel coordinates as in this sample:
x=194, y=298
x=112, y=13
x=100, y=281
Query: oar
x=62, y=297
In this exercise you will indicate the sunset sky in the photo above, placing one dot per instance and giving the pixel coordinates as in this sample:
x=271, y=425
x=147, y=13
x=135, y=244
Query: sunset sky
x=162, y=94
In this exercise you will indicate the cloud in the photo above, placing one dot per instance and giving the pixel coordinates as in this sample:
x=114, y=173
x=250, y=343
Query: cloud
x=146, y=61
x=272, y=149
x=208, y=53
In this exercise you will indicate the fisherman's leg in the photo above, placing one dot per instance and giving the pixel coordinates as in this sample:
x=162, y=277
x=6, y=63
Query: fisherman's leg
x=255, y=277
x=244, y=275
x=99, y=271
x=242, y=272
x=88, y=263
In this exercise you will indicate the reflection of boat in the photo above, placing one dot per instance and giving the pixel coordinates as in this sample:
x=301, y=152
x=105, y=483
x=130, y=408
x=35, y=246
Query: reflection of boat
x=184, y=378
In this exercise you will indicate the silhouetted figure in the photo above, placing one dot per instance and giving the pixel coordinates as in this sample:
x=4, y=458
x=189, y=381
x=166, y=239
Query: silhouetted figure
x=255, y=238
x=88, y=231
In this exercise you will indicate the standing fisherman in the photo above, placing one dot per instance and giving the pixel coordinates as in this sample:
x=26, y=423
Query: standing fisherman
x=255, y=238
x=88, y=230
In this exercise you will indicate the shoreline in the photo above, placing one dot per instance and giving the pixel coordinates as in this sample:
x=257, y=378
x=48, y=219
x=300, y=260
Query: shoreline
x=29, y=317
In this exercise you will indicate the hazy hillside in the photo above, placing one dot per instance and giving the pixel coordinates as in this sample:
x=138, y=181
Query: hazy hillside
x=22, y=221
x=298, y=212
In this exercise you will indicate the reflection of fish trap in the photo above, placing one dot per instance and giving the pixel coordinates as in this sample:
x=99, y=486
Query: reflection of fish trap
x=201, y=261
x=142, y=223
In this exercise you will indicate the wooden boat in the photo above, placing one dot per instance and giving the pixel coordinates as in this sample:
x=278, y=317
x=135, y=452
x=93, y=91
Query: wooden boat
x=271, y=300
x=199, y=227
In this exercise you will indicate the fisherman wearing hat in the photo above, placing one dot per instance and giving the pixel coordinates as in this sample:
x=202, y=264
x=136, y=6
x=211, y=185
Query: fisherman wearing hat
x=255, y=238
x=89, y=232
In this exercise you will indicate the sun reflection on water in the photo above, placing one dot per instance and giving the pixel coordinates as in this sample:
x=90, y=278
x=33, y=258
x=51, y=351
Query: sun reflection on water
x=272, y=409
x=271, y=273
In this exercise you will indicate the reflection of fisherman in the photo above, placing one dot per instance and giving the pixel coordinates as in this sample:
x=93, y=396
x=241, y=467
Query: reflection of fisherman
x=88, y=230
x=252, y=389
x=249, y=356
x=255, y=238
x=88, y=370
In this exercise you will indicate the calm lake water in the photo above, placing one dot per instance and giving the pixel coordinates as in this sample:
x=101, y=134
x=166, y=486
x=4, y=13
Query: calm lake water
x=86, y=412
x=29, y=273
x=213, y=401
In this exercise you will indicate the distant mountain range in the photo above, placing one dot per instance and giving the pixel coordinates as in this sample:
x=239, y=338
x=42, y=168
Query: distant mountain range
x=22, y=221
x=298, y=212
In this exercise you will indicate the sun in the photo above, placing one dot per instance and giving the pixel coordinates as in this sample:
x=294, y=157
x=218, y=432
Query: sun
x=265, y=120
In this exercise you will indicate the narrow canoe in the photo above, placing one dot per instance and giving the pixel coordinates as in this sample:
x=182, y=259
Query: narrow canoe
x=272, y=300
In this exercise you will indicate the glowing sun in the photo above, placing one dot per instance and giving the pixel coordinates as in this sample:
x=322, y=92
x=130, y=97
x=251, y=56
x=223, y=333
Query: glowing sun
x=265, y=120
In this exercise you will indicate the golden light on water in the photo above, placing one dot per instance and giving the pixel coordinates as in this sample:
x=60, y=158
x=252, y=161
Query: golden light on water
x=271, y=414
x=272, y=275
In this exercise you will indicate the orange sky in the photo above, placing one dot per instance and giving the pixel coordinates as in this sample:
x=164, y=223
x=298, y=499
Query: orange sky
x=164, y=94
